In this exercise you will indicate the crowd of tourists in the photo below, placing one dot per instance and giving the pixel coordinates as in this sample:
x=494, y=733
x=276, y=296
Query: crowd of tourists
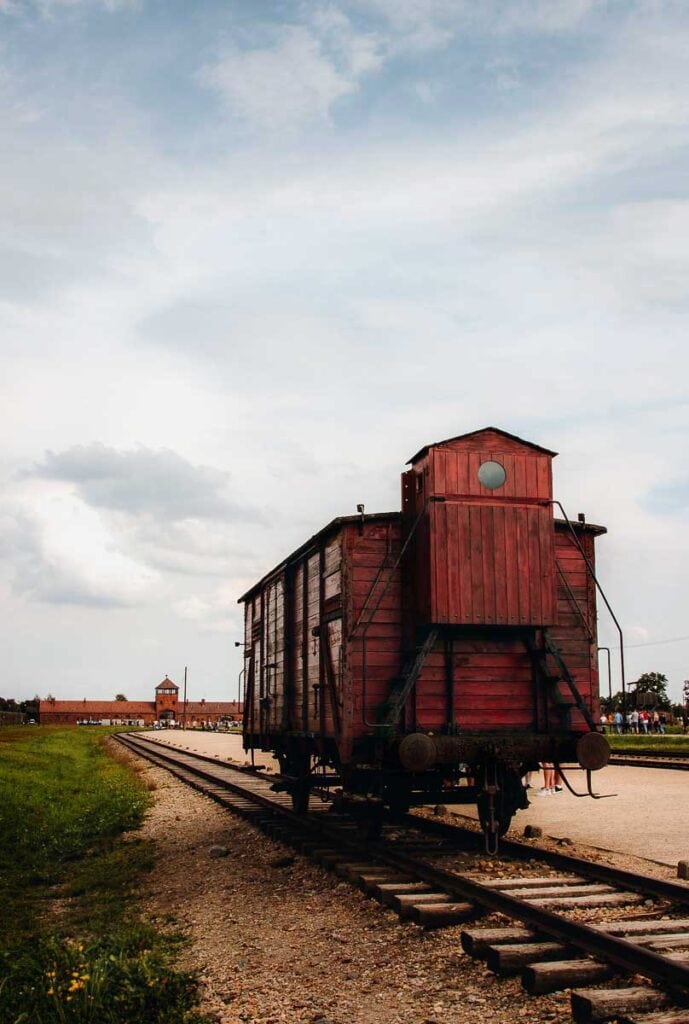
x=635, y=721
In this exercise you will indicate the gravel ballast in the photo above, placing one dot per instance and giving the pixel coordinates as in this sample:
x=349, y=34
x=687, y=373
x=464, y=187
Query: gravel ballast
x=278, y=940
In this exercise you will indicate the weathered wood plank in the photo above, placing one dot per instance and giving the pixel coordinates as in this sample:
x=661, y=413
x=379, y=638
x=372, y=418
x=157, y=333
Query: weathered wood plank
x=564, y=892
x=657, y=942
x=352, y=869
x=403, y=904
x=662, y=1017
x=387, y=893
x=442, y=915
x=371, y=881
x=643, y=927
x=604, y=900
x=540, y=978
x=475, y=941
x=511, y=957
x=535, y=882
x=591, y=1006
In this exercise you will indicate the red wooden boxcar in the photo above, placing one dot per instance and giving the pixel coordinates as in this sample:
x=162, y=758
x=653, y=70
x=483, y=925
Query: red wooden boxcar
x=399, y=656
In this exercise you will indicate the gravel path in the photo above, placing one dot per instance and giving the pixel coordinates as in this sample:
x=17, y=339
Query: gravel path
x=282, y=944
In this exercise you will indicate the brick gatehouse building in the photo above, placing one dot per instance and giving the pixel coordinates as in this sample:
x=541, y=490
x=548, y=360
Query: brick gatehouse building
x=166, y=708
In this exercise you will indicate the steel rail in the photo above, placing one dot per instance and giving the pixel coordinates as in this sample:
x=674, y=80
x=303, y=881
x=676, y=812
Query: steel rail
x=148, y=750
x=618, y=951
x=646, y=884
x=669, y=761
x=257, y=770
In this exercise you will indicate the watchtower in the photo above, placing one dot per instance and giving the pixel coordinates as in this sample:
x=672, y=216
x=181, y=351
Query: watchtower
x=166, y=700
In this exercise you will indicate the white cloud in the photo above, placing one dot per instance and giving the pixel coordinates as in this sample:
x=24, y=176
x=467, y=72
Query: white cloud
x=215, y=612
x=63, y=553
x=280, y=87
x=143, y=481
x=426, y=25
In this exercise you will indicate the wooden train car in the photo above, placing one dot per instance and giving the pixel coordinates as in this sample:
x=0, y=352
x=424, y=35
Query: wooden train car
x=432, y=654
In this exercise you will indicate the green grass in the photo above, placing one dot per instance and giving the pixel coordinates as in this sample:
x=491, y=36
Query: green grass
x=653, y=743
x=73, y=945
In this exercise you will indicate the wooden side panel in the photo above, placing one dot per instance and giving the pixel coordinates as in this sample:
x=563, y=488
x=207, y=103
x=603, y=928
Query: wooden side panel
x=333, y=569
x=294, y=631
x=576, y=631
x=254, y=664
x=493, y=686
x=329, y=634
x=272, y=655
x=373, y=648
x=453, y=471
x=491, y=564
x=297, y=651
x=313, y=722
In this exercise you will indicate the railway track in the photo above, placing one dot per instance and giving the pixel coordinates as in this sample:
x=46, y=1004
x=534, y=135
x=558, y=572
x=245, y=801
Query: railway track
x=676, y=761
x=539, y=932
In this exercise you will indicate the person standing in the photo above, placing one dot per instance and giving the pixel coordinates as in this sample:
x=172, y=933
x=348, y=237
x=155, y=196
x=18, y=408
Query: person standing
x=617, y=719
x=551, y=780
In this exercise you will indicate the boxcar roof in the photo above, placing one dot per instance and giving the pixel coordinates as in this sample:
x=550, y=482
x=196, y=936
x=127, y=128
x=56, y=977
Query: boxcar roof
x=331, y=527
x=586, y=527
x=472, y=433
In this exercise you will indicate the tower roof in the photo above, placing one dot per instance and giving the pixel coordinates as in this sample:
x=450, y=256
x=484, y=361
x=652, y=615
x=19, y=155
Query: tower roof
x=167, y=684
x=475, y=433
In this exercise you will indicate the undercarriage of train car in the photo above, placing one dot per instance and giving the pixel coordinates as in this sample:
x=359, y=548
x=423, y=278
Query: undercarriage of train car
x=391, y=775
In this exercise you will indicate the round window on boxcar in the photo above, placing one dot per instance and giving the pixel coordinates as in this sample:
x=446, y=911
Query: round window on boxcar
x=491, y=475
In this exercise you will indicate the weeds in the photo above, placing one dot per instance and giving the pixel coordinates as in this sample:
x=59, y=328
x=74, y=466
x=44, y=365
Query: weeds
x=74, y=948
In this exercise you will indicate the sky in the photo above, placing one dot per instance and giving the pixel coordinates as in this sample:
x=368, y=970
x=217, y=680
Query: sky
x=254, y=254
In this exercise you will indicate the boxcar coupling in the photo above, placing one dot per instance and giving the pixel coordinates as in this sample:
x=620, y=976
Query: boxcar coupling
x=434, y=654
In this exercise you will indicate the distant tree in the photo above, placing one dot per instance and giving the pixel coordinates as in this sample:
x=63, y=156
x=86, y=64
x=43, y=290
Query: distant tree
x=610, y=704
x=654, y=683
x=120, y=696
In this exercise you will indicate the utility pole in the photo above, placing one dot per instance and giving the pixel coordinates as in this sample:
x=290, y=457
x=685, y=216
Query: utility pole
x=184, y=712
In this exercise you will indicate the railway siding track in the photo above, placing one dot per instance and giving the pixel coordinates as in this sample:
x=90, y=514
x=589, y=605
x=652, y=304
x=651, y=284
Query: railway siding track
x=670, y=761
x=550, y=950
